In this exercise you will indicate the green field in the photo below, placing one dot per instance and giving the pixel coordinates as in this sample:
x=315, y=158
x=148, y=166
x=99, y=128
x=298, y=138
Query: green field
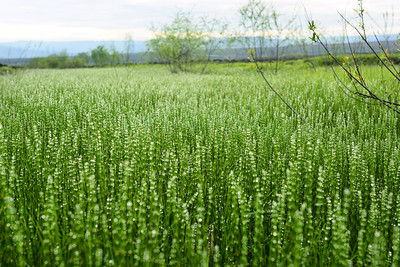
x=102, y=167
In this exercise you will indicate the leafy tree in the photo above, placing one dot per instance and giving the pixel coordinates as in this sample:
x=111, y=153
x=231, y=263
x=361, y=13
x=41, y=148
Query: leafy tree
x=100, y=55
x=114, y=57
x=187, y=41
x=62, y=58
x=83, y=57
x=77, y=62
x=177, y=44
x=57, y=61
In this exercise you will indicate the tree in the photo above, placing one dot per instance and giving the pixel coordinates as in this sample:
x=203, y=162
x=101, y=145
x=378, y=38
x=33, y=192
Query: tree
x=62, y=58
x=178, y=44
x=129, y=46
x=114, y=57
x=100, y=55
x=57, y=61
x=214, y=41
x=83, y=57
x=188, y=41
x=77, y=62
x=279, y=34
x=253, y=27
x=261, y=27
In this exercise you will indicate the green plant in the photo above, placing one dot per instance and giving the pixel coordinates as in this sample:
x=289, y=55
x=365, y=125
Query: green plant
x=251, y=54
x=205, y=169
x=178, y=44
x=59, y=61
x=187, y=42
x=102, y=56
x=4, y=70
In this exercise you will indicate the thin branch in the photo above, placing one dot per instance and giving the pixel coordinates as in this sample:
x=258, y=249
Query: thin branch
x=370, y=47
x=361, y=94
x=272, y=88
x=386, y=55
x=372, y=95
x=345, y=86
x=353, y=56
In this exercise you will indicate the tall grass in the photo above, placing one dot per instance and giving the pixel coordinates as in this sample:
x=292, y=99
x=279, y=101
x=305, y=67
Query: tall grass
x=161, y=169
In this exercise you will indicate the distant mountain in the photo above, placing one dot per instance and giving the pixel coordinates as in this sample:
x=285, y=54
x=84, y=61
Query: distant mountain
x=29, y=49
x=19, y=53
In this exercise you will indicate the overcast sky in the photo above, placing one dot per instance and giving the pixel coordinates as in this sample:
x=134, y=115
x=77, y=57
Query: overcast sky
x=70, y=20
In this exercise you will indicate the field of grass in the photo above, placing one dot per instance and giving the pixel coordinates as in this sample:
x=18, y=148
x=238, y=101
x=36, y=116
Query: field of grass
x=98, y=168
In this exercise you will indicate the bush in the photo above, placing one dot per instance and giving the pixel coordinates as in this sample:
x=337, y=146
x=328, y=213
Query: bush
x=4, y=70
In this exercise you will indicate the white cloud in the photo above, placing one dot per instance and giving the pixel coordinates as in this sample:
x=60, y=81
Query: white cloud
x=62, y=33
x=105, y=20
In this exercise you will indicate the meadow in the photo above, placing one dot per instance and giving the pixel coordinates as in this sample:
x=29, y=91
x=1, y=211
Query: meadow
x=103, y=167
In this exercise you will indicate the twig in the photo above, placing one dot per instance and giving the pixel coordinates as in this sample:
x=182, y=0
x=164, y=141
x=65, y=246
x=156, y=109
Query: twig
x=272, y=88
x=372, y=95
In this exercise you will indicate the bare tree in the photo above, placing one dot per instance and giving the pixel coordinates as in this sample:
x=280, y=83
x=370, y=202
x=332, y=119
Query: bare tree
x=279, y=34
x=129, y=46
x=261, y=27
x=214, y=33
x=253, y=27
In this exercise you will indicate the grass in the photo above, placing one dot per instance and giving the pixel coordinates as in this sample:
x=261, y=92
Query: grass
x=162, y=169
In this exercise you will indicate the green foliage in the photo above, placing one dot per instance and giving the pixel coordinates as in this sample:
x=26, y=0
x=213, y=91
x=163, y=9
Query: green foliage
x=205, y=169
x=177, y=44
x=364, y=59
x=59, y=61
x=7, y=70
x=185, y=42
x=101, y=56
x=83, y=57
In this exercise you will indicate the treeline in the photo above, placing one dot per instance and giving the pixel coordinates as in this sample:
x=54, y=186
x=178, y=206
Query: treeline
x=99, y=57
x=85, y=60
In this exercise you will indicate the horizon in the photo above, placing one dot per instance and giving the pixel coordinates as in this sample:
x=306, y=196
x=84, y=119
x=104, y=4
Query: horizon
x=31, y=49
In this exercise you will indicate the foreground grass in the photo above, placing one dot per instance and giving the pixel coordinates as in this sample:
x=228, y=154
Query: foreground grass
x=100, y=169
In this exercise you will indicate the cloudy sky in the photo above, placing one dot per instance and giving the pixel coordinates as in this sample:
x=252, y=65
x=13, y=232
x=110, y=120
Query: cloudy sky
x=70, y=20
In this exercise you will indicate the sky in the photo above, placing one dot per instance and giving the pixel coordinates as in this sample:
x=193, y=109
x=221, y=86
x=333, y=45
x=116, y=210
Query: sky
x=101, y=20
